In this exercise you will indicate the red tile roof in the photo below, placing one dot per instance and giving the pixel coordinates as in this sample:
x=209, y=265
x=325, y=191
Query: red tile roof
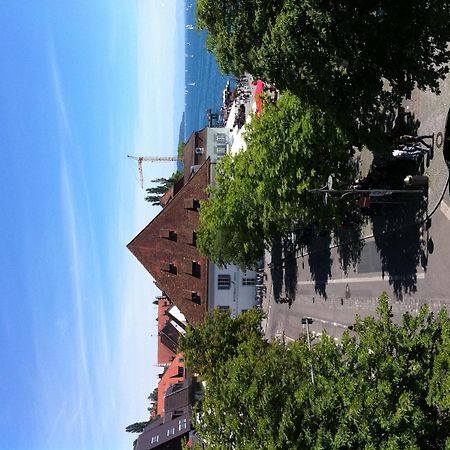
x=165, y=355
x=170, y=377
x=165, y=247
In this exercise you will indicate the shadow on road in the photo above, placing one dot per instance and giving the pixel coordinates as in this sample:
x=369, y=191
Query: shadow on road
x=290, y=268
x=276, y=268
x=348, y=238
x=397, y=232
x=283, y=269
x=319, y=260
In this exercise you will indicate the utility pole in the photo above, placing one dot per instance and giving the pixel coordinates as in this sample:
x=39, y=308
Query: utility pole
x=307, y=321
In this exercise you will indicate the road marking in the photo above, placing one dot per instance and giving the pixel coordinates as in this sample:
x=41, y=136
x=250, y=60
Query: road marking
x=445, y=209
x=420, y=276
x=279, y=335
x=329, y=322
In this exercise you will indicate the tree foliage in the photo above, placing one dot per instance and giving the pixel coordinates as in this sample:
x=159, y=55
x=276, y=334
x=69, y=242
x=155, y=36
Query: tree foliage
x=162, y=185
x=334, y=54
x=263, y=192
x=153, y=397
x=200, y=345
x=386, y=387
x=137, y=427
x=180, y=149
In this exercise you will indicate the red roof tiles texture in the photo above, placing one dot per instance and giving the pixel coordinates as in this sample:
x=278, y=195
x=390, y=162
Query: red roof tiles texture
x=171, y=376
x=166, y=248
x=165, y=355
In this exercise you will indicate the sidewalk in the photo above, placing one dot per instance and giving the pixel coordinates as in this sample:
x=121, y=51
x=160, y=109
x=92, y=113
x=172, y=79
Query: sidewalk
x=432, y=110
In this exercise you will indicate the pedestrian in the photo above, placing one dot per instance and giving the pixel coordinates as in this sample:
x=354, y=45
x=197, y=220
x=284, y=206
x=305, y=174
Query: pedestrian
x=409, y=139
x=410, y=152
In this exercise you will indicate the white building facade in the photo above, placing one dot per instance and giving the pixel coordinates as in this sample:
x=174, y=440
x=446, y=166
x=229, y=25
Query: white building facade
x=229, y=289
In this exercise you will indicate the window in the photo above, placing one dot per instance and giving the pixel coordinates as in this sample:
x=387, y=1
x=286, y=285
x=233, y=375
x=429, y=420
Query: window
x=221, y=137
x=221, y=149
x=169, y=267
x=171, y=431
x=155, y=439
x=182, y=424
x=191, y=203
x=171, y=235
x=248, y=281
x=196, y=271
x=223, y=308
x=223, y=281
x=193, y=239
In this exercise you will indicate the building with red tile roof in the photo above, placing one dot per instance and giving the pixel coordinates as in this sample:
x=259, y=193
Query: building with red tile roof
x=166, y=248
x=166, y=350
x=174, y=374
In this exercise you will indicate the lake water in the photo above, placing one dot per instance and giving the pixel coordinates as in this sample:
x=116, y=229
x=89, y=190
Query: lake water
x=204, y=83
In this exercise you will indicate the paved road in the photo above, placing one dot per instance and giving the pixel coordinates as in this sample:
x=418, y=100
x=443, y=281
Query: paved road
x=357, y=292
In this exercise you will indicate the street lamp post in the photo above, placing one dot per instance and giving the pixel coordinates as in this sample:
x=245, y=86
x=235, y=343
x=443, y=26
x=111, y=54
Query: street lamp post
x=307, y=321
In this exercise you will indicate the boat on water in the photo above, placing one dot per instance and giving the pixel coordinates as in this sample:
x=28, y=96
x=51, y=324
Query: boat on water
x=191, y=84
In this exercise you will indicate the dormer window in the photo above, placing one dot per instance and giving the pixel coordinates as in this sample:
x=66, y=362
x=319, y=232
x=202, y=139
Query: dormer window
x=193, y=238
x=171, y=235
x=191, y=203
x=169, y=267
x=196, y=269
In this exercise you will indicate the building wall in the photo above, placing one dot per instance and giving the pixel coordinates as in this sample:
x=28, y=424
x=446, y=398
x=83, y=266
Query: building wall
x=238, y=296
x=217, y=143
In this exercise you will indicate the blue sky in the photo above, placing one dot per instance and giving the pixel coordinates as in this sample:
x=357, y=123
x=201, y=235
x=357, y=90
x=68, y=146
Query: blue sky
x=83, y=84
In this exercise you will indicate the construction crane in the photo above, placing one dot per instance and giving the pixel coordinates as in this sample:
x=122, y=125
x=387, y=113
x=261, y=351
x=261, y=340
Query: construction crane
x=141, y=159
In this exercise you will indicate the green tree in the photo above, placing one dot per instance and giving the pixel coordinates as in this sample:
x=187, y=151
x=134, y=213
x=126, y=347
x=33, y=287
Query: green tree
x=137, y=427
x=200, y=345
x=180, y=149
x=263, y=192
x=153, y=397
x=162, y=185
x=386, y=387
x=338, y=55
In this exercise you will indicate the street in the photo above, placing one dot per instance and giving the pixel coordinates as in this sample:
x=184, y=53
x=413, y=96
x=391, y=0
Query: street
x=334, y=301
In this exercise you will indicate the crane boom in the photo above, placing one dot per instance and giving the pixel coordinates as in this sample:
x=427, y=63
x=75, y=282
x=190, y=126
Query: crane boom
x=141, y=159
